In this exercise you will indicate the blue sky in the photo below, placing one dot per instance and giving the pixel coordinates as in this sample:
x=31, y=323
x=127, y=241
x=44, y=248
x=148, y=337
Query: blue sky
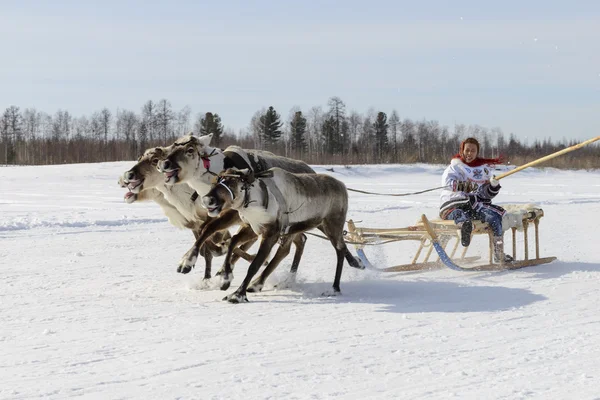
x=530, y=68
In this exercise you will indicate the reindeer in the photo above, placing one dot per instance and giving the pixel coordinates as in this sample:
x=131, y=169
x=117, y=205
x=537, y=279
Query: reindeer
x=193, y=161
x=145, y=183
x=277, y=203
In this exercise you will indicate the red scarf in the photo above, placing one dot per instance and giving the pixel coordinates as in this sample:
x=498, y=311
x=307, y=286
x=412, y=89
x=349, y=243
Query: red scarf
x=478, y=162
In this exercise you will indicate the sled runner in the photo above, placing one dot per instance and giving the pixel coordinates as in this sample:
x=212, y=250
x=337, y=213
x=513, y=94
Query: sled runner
x=443, y=236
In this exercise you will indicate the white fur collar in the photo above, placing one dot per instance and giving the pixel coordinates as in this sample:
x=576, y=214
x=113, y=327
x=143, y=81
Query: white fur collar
x=456, y=161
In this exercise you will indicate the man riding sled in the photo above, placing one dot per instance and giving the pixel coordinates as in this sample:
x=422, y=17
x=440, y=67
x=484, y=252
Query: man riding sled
x=469, y=190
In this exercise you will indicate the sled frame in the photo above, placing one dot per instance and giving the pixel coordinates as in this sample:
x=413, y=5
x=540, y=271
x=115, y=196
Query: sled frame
x=446, y=235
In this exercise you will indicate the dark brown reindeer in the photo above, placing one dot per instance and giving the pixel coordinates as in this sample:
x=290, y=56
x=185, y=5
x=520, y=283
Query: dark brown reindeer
x=192, y=160
x=276, y=204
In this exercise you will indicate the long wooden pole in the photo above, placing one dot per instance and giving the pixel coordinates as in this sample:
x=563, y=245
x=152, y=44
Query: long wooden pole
x=546, y=158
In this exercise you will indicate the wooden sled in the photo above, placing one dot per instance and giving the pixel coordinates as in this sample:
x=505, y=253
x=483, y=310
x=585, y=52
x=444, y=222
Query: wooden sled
x=440, y=235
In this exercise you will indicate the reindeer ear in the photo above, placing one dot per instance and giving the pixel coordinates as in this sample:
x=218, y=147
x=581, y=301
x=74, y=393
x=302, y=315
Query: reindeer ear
x=205, y=140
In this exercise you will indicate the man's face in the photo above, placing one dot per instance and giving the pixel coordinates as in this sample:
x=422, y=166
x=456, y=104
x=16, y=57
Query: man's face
x=470, y=152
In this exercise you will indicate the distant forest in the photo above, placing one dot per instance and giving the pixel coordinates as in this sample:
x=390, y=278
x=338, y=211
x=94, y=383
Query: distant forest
x=318, y=136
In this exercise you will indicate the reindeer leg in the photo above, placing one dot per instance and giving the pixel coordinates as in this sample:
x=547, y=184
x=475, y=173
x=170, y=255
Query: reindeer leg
x=244, y=248
x=226, y=273
x=223, y=221
x=299, y=242
x=354, y=262
x=334, y=232
x=268, y=241
x=280, y=254
x=245, y=241
x=208, y=256
x=338, y=270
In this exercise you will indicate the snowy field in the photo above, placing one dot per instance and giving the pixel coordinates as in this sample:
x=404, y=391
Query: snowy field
x=91, y=305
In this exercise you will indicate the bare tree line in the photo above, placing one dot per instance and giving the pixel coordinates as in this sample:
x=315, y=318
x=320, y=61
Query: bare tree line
x=331, y=135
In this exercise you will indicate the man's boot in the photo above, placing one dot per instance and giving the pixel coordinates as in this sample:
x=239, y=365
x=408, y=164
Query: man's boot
x=465, y=233
x=499, y=256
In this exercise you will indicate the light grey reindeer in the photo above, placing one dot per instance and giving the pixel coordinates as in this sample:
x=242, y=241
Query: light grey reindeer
x=276, y=203
x=192, y=160
x=145, y=183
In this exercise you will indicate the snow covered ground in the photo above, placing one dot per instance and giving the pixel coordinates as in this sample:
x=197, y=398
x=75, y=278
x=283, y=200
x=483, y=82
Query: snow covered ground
x=91, y=305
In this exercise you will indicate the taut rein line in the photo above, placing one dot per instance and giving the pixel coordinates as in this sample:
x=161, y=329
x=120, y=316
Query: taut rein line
x=397, y=194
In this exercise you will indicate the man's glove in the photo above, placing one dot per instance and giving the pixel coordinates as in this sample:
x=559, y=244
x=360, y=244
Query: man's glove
x=464, y=186
x=494, y=182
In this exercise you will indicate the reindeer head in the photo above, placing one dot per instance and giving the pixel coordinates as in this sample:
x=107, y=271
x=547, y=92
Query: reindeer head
x=229, y=190
x=144, y=174
x=183, y=157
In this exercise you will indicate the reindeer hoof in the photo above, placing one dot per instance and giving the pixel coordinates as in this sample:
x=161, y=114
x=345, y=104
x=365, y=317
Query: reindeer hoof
x=236, y=298
x=184, y=269
x=255, y=287
x=186, y=264
x=359, y=263
x=225, y=280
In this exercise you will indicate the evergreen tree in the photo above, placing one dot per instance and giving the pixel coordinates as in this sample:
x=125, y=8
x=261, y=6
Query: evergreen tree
x=334, y=141
x=298, y=132
x=270, y=127
x=381, y=134
x=211, y=123
x=330, y=138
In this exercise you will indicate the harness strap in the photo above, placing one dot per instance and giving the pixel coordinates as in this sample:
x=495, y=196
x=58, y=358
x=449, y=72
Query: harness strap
x=229, y=190
x=265, y=193
x=282, y=214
